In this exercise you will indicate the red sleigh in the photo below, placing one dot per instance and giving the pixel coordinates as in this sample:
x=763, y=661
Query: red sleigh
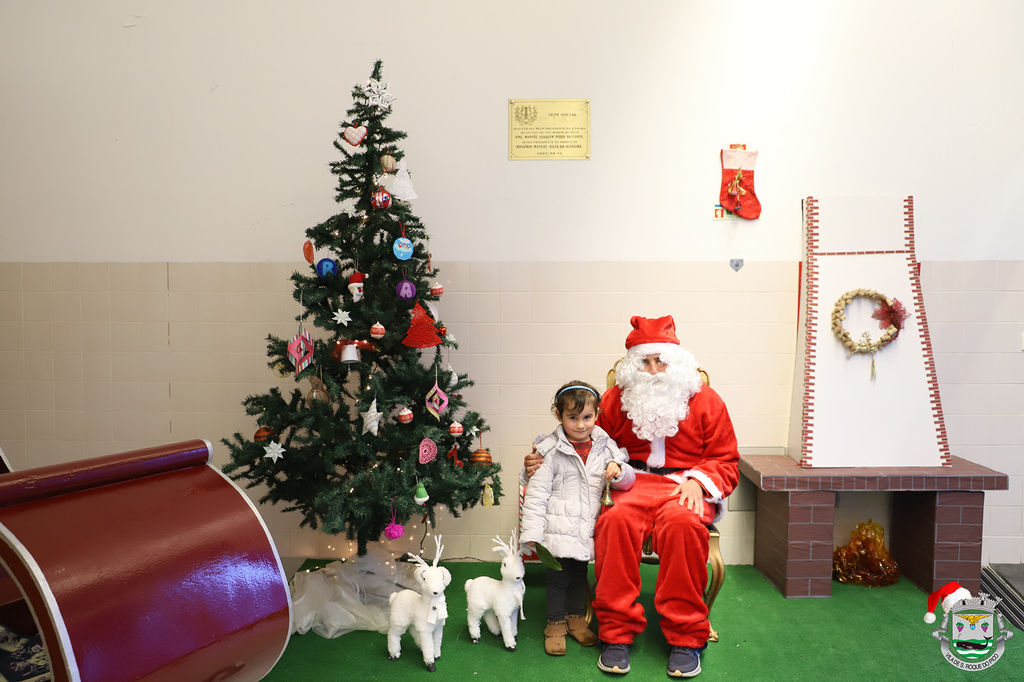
x=144, y=565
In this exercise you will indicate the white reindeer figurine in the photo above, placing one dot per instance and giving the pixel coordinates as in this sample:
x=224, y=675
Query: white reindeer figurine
x=498, y=602
x=423, y=612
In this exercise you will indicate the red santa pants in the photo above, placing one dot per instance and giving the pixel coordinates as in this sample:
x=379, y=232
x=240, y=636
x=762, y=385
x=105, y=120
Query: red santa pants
x=681, y=542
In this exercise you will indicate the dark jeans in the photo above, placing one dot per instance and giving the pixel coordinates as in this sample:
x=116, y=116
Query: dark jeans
x=567, y=590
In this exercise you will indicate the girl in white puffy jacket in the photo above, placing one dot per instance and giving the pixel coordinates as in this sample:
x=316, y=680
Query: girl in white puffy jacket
x=561, y=505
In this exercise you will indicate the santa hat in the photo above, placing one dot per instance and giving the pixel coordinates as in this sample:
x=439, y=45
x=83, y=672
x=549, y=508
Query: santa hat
x=356, y=277
x=651, y=336
x=947, y=595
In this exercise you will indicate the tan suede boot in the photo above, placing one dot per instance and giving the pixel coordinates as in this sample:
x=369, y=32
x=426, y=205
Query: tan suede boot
x=554, y=637
x=580, y=631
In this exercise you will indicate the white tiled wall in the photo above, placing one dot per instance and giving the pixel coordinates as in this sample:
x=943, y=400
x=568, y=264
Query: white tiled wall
x=976, y=317
x=105, y=357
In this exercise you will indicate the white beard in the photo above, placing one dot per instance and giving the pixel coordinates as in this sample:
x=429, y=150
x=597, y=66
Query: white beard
x=656, y=403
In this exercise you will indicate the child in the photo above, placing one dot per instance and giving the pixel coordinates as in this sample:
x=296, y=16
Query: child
x=562, y=502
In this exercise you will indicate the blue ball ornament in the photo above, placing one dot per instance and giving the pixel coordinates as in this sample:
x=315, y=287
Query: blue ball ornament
x=402, y=248
x=326, y=267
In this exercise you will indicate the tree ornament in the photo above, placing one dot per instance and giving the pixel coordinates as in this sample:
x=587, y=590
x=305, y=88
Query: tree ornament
x=405, y=415
x=377, y=94
x=453, y=455
x=327, y=267
x=371, y=418
x=401, y=186
x=342, y=317
x=274, y=451
x=406, y=290
x=436, y=401
x=436, y=289
x=428, y=451
x=377, y=331
x=318, y=392
x=481, y=457
x=264, y=433
x=355, y=134
x=455, y=429
x=355, y=285
x=307, y=251
x=737, y=191
x=487, y=499
x=347, y=352
x=393, y=530
x=388, y=163
x=421, y=496
x=422, y=333
x=300, y=349
x=380, y=199
x=402, y=246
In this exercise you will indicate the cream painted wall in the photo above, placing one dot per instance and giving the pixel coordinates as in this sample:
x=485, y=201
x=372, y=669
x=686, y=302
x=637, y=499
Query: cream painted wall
x=201, y=130
x=172, y=137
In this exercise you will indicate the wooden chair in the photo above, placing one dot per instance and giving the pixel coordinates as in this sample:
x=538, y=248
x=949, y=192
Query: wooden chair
x=716, y=565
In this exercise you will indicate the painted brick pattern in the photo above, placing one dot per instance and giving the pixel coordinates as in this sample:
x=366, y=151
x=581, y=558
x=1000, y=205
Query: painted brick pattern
x=793, y=541
x=936, y=529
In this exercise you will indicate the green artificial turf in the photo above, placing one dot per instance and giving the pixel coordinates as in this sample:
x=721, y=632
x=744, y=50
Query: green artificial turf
x=859, y=633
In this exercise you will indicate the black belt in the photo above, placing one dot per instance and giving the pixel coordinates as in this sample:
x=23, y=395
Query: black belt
x=660, y=471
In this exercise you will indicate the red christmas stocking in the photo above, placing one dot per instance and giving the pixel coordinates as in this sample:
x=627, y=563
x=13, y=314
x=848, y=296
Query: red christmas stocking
x=737, y=193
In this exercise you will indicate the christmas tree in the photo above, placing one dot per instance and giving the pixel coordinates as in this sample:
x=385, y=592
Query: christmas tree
x=375, y=440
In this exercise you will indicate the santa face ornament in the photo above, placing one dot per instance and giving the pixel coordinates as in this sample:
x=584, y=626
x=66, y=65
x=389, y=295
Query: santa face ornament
x=356, y=289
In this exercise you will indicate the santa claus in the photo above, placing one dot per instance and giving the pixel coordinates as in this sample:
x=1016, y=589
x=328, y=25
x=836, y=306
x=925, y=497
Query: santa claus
x=677, y=430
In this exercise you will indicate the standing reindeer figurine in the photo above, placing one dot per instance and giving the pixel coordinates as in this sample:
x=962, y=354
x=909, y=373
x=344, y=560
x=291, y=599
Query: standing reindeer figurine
x=423, y=612
x=498, y=602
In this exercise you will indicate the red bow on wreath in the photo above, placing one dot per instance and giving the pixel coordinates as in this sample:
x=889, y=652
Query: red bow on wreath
x=891, y=315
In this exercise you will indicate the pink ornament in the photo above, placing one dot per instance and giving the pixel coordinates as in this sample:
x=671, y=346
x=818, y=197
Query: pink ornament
x=428, y=451
x=405, y=415
x=300, y=349
x=455, y=429
x=437, y=401
x=393, y=530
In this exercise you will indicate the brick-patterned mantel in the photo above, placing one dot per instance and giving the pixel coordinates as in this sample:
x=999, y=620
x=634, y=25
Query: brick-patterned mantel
x=935, y=534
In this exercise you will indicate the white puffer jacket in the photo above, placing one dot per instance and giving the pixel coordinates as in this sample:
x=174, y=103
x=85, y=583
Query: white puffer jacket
x=563, y=497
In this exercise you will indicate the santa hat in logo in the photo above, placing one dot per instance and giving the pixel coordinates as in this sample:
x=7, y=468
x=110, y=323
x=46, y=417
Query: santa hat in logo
x=947, y=595
x=651, y=336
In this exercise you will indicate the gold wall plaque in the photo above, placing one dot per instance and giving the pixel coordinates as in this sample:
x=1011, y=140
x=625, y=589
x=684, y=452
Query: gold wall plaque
x=548, y=129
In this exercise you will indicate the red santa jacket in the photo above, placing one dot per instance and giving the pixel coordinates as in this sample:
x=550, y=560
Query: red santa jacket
x=704, y=448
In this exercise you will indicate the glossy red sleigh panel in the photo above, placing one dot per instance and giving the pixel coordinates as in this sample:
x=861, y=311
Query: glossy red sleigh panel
x=145, y=565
